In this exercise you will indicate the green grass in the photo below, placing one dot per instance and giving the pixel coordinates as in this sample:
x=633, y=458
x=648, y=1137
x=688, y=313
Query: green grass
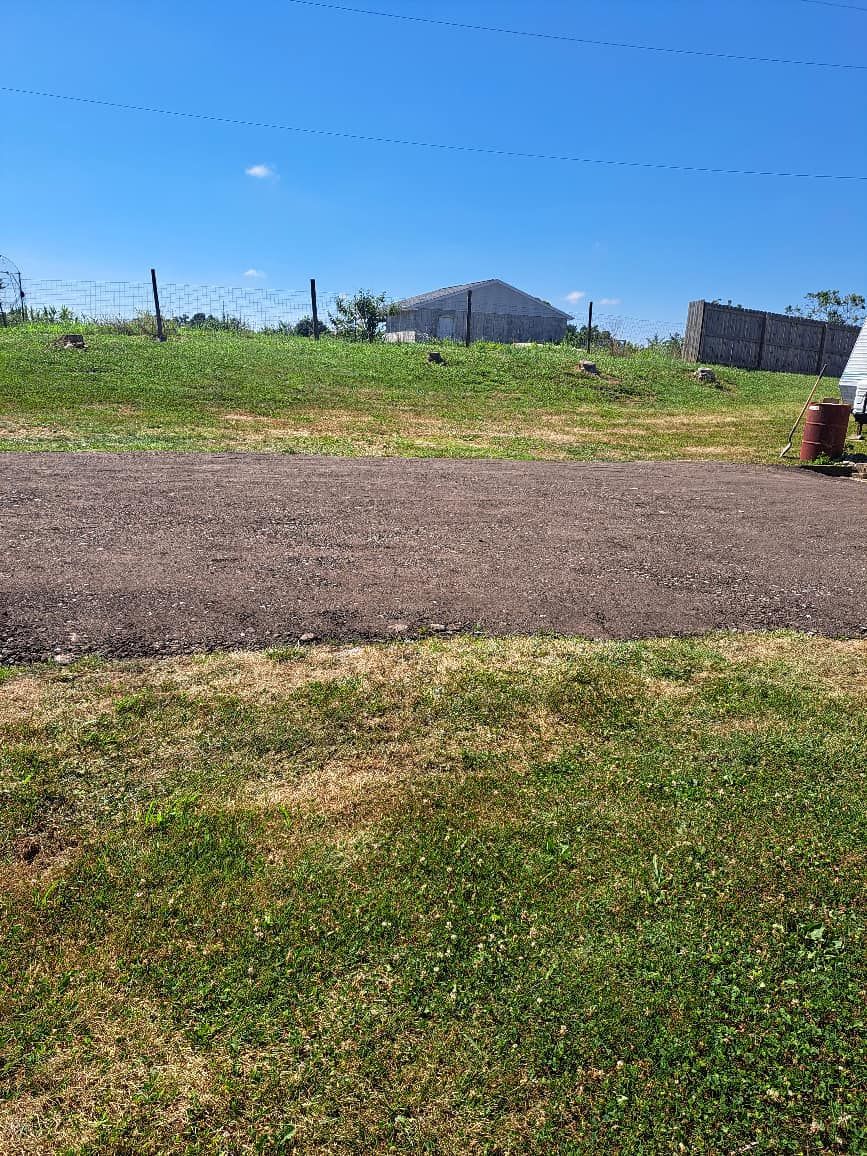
x=452, y=896
x=217, y=391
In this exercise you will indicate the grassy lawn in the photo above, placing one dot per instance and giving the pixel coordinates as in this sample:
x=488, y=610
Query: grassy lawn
x=449, y=896
x=220, y=391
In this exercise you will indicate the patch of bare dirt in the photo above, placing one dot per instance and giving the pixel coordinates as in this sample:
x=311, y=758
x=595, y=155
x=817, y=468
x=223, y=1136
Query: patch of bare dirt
x=163, y=553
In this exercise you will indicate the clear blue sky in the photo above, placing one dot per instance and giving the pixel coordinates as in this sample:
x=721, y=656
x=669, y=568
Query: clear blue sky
x=88, y=192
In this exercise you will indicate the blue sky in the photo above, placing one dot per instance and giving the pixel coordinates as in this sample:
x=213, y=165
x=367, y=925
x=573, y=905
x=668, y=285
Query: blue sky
x=89, y=192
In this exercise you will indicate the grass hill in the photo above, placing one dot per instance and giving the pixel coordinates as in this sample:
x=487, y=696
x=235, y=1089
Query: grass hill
x=219, y=391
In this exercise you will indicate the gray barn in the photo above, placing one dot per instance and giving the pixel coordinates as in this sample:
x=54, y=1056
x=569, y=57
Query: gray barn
x=499, y=312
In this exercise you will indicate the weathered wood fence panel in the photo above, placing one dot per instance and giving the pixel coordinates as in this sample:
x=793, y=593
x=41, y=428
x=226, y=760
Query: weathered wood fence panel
x=750, y=339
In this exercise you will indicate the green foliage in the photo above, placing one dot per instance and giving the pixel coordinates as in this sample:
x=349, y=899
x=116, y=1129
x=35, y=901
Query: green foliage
x=604, y=339
x=599, y=338
x=305, y=327
x=46, y=315
x=361, y=317
x=142, y=324
x=832, y=306
x=670, y=346
x=208, y=321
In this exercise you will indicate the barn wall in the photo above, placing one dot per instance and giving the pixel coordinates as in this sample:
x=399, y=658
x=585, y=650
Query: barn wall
x=750, y=339
x=425, y=324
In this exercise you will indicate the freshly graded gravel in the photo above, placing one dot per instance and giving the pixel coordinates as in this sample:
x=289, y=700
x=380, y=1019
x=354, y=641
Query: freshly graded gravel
x=155, y=553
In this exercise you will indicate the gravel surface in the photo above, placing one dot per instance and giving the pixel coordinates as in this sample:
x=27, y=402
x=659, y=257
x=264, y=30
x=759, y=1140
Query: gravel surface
x=146, y=553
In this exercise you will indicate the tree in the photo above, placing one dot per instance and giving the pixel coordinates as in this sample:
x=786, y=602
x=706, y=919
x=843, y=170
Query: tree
x=210, y=321
x=360, y=317
x=578, y=337
x=672, y=345
x=831, y=306
x=304, y=328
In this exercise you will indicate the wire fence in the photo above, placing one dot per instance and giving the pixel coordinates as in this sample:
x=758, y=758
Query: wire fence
x=197, y=306
x=616, y=332
x=128, y=307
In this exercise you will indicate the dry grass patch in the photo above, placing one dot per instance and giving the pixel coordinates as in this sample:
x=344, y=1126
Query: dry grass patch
x=118, y=1054
x=19, y=431
x=838, y=664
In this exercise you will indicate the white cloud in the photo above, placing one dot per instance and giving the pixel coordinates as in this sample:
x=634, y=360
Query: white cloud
x=254, y=273
x=610, y=301
x=575, y=296
x=261, y=172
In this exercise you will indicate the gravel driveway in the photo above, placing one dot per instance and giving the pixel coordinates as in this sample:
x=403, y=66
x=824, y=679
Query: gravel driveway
x=139, y=554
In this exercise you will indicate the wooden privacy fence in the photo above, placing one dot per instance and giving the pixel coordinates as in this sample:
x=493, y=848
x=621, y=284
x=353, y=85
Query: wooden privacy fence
x=750, y=339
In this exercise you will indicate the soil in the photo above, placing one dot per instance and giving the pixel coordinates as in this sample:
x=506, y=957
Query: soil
x=159, y=553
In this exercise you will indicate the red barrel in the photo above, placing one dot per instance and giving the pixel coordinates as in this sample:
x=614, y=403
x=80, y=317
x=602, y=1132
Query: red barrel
x=825, y=429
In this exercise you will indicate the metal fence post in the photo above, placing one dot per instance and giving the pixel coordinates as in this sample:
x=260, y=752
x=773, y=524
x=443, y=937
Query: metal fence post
x=160, y=335
x=589, y=325
x=469, y=332
x=314, y=308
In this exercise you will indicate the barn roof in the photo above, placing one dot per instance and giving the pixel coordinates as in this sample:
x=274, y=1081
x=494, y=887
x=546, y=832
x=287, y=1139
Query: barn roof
x=451, y=290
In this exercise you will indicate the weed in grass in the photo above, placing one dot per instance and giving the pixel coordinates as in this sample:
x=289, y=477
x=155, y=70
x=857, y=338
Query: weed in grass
x=287, y=654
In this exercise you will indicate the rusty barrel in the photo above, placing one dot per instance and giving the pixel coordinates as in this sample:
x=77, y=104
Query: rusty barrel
x=825, y=429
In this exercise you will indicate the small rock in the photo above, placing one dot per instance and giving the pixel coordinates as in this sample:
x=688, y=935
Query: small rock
x=64, y=659
x=589, y=367
x=706, y=375
x=436, y=357
x=398, y=627
x=71, y=341
x=308, y=638
x=437, y=627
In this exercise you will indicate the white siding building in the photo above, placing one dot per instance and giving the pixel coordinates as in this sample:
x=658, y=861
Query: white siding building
x=499, y=312
x=853, y=383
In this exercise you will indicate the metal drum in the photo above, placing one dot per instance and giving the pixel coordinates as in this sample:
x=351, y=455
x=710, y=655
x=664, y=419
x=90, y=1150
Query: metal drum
x=825, y=429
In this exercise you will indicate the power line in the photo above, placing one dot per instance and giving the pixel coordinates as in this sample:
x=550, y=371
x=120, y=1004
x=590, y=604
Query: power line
x=835, y=4
x=564, y=39
x=480, y=150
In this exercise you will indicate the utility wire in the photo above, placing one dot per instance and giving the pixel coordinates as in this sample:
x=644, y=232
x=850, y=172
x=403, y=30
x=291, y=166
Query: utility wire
x=835, y=4
x=481, y=150
x=562, y=38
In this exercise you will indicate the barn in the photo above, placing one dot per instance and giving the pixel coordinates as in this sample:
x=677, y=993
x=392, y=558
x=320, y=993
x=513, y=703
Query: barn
x=498, y=312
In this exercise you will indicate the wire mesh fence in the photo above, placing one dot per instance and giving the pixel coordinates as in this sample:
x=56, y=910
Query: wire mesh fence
x=618, y=333
x=123, y=304
x=128, y=307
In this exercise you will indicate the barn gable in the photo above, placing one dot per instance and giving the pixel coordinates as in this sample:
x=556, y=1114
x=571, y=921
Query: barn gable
x=493, y=296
